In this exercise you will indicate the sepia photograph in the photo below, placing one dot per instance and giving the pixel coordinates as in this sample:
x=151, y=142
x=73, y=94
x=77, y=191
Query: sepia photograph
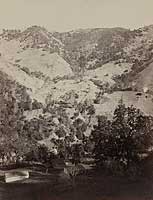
x=76, y=100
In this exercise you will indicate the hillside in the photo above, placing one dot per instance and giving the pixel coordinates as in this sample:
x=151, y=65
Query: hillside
x=97, y=46
x=53, y=63
x=65, y=80
x=30, y=65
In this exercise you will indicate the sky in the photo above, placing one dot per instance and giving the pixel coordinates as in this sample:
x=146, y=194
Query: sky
x=65, y=15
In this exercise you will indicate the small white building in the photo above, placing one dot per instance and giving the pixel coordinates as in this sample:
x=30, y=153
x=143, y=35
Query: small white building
x=16, y=175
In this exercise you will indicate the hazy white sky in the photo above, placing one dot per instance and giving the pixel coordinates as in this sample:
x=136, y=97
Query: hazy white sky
x=63, y=15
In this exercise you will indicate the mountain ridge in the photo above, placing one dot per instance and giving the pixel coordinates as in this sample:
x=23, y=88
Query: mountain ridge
x=102, y=59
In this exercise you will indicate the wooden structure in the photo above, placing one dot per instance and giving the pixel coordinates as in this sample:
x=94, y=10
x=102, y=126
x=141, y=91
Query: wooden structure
x=15, y=175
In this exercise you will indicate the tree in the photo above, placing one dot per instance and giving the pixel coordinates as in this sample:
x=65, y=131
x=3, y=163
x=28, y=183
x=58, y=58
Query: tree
x=73, y=171
x=123, y=139
x=133, y=134
x=77, y=153
x=81, y=65
x=100, y=135
x=10, y=115
x=14, y=135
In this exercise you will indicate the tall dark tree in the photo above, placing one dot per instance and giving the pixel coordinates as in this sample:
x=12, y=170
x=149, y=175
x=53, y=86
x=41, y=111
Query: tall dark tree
x=9, y=114
x=132, y=133
x=13, y=135
x=125, y=138
x=77, y=153
x=100, y=135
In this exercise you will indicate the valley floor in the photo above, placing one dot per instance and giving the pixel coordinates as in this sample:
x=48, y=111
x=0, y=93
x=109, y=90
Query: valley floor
x=93, y=187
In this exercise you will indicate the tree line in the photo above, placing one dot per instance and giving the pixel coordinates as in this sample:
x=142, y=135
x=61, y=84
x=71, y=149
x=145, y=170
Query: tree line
x=123, y=141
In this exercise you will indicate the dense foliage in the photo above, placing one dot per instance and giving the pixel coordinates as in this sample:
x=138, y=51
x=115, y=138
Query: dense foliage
x=124, y=139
